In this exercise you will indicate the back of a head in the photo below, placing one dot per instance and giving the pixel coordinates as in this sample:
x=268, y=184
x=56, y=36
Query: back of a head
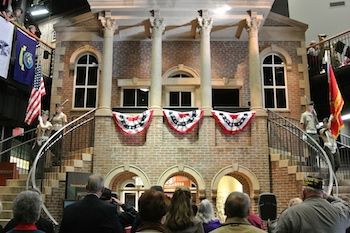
x=237, y=205
x=152, y=206
x=106, y=194
x=294, y=201
x=206, y=211
x=95, y=183
x=180, y=213
x=157, y=188
x=27, y=207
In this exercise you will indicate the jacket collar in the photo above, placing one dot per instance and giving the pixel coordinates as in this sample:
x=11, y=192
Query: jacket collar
x=236, y=220
x=26, y=227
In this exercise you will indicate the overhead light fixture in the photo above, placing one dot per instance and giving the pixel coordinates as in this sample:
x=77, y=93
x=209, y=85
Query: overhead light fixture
x=38, y=10
x=222, y=10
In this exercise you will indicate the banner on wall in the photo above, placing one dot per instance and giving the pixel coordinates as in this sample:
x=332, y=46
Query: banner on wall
x=6, y=38
x=182, y=122
x=232, y=123
x=25, y=58
x=133, y=124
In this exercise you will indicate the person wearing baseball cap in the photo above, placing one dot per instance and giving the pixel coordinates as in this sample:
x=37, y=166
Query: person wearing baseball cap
x=317, y=213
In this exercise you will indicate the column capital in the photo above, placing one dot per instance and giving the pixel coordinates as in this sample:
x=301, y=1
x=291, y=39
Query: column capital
x=205, y=23
x=157, y=22
x=107, y=22
x=253, y=21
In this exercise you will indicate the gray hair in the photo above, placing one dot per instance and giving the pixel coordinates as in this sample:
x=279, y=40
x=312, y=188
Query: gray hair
x=294, y=201
x=95, y=183
x=206, y=211
x=237, y=205
x=27, y=207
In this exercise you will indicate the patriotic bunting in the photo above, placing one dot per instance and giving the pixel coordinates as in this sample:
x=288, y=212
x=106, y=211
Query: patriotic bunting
x=232, y=123
x=182, y=122
x=133, y=124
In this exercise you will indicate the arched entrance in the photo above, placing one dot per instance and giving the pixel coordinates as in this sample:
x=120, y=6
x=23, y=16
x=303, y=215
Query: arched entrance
x=233, y=178
x=183, y=175
x=129, y=182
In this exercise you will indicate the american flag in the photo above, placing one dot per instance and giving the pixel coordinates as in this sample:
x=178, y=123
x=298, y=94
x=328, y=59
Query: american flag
x=38, y=90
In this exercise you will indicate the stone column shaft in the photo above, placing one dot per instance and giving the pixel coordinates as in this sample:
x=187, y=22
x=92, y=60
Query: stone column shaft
x=157, y=24
x=205, y=25
x=105, y=82
x=255, y=82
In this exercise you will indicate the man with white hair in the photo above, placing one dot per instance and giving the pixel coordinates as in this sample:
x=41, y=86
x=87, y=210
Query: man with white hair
x=315, y=213
x=237, y=209
x=91, y=215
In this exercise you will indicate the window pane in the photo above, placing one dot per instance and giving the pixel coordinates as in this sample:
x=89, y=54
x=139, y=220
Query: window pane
x=129, y=97
x=79, y=97
x=92, y=60
x=142, y=98
x=92, y=78
x=174, y=98
x=91, y=98
x=277, y=60
x=281, y=98
x=81, y=75
x=269, y=98
x=268, y=77
x=186, y=99
x=279, y=76
x=130, y=199
x=268, y=60
x=83, y=60
x=225, y=97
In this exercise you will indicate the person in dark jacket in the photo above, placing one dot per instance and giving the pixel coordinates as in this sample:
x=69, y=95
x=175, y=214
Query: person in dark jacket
x=91, y=215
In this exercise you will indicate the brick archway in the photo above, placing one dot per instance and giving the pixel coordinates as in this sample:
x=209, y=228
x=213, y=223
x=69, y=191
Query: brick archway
x=122, y=173
x=246, y=177
x=186, y=171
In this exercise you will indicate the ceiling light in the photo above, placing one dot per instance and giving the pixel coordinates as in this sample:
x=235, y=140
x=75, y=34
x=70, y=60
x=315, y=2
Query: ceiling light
x=222, y=10
x=39, y=10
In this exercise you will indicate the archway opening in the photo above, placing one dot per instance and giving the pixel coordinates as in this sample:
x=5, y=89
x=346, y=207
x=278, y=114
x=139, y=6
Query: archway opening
x=227, y=185
x=181, y=179
x=129, y=187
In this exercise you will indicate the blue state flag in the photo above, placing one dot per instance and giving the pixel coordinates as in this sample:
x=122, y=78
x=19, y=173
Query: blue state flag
x=25, y=58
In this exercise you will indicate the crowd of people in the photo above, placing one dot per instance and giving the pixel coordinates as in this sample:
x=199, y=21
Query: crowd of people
x=100, y=212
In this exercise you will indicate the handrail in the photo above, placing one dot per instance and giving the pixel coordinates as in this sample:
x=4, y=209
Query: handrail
x=46, y=146
x=21, y=135
x=330, y=38
x=28, y=33
x=18, y=145
x=332, y=176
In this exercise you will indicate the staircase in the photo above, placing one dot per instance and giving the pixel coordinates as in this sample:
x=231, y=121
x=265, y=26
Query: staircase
x=301, y=157
x=77, y=150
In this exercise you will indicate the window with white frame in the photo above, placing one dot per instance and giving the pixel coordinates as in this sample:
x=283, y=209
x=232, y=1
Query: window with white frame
x=86, y=80
x=135, y=97
x=274, y=82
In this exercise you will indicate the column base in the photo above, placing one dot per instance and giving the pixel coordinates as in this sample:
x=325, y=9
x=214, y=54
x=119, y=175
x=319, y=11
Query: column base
x=259, y=111
x=157, y=110
x=103, y=111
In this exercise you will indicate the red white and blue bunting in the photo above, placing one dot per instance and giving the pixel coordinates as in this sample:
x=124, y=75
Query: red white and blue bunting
x=182, y=122
x=133, y=124
x=232, y=123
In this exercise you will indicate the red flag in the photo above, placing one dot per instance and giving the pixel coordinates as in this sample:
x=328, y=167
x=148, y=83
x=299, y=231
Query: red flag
x=38, y=90
x=336, y=103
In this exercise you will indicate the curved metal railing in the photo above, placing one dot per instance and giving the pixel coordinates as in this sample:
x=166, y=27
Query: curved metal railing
x=303, y=151
x=66, y=137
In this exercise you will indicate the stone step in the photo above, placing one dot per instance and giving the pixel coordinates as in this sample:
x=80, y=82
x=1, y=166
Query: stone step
x=51, y=182
x=16, y=182
x=73, y=163
x=62, y=169
x=7, y=196
x=3, y=221
x=7, y=205
x=60, y=176
x=12, y=189
x=6, y=214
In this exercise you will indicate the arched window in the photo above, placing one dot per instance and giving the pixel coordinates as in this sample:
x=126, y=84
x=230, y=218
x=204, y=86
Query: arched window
x=86, y=80
x=274, y=82
x=180, y=95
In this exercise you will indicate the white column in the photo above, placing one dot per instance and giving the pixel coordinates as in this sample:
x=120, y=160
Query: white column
x=205, y=24
x=255, y=82
x=158, y=27
x=105, y=81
